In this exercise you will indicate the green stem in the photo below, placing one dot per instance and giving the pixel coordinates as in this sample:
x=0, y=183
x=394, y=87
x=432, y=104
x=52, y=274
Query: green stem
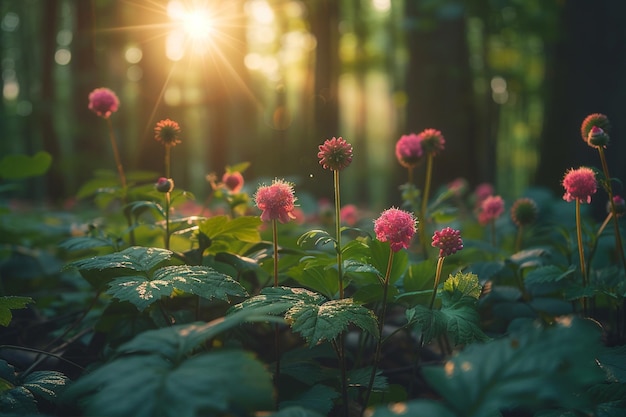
x=518, y=239
x=167, y=161
x=338, y=232
x=167, y=219
x=609, y=188
x=422, y=217
x=276, y=329
x=581, y=254
x=116, y=154
x=410, y=169
x=437, y=278
x=493, y=232
x=381, y=324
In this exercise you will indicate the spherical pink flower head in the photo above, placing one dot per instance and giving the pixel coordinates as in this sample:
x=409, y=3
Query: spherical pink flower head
x=103, y=102
x=458, y=187
x=277, y=201
x=490, y=209
x=335, y=154
x=349, y=214
x=409, y=150
x=396, y=227
x=448, y=241
x=432, y=141
x=580, y=184
x=233, y=181
x=483, y=191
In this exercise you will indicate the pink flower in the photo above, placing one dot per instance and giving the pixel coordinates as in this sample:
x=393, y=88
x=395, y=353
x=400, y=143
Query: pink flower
x=335, y=154
x=490, y=209
x=580, y=184
x=458, y=186
x=233, y=181
x=349, y=214
x=396, y=227
x=277, y=201
x=432, y=141
x=103, y=102
x=409, y=150
x=483, y=191
x=448, y=241
x=594, y=120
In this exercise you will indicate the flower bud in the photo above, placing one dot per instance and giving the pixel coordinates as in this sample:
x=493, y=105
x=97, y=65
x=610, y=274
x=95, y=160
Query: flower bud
x=597, y=137
x=164, y=185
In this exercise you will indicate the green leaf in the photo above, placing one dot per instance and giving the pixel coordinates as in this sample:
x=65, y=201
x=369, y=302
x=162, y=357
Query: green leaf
x=531, y=368
x=462, y=285
x=311, y=314
x=46, y=384
x=240, y=167
x=244, y=228
x=414, y=408
x=318, y=274
x=319, y=237
x=11, y=303
x=613, y=361
x=380, y=258
x=319, y=398
x=214, y=383
x=324, y=322
x=135, y=258
x=458, y=316
x=199, y=280
x=20, y=166
x=296, y=411
x=85, y=243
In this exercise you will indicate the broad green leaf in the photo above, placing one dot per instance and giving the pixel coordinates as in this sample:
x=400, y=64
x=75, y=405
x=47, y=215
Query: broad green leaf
x=317, y=273
x=380, y=259
x=240, y=167
x=11, y=303
x=135, y=258
x=431, y=323
x=319, y=237
x=280, y=299
x=547, y=274
x=20, y=166
x=46, y=384
x=212, y=383
x=613, y=361
x=318, y=398
x=296, y=411
x=85, y=242
x=324, y=322
x=531, y=368
x=199, y=280
x=426, y=408
x=361, y=378
x=245, y=228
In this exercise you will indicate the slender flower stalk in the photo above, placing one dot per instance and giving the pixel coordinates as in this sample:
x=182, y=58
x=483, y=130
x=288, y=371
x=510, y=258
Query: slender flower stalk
x=432, y=142
x=580, y=184
x=336, y=154
x=277, y=202
x=398, y=228
x=166, y=185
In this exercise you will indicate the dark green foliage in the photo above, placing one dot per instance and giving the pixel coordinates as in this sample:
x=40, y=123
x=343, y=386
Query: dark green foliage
x=11, y=303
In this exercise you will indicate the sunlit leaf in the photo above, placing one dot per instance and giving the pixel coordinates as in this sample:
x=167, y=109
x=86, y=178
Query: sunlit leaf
x=462, y=285
x=45, y=384
x=20, y=166
x=19, y=396
x=324, y=322
x=11, y=303
x=530, y=368
x=85, y=242
x=199, y=280
x=135, y=258
x=318, y=274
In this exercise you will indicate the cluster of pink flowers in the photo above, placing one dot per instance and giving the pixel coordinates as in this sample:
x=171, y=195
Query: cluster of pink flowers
x=448, y=241
x=490, y=209
x=396, y=227
x=335, y=154
x=276, y=201
x=412, y=147
x=580, y=184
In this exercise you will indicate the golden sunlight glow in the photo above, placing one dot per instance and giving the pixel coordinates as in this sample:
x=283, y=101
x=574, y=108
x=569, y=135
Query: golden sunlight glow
x=193, y=28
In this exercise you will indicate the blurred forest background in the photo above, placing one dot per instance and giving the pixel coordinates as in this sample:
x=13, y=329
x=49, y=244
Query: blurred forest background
x=507, y=82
